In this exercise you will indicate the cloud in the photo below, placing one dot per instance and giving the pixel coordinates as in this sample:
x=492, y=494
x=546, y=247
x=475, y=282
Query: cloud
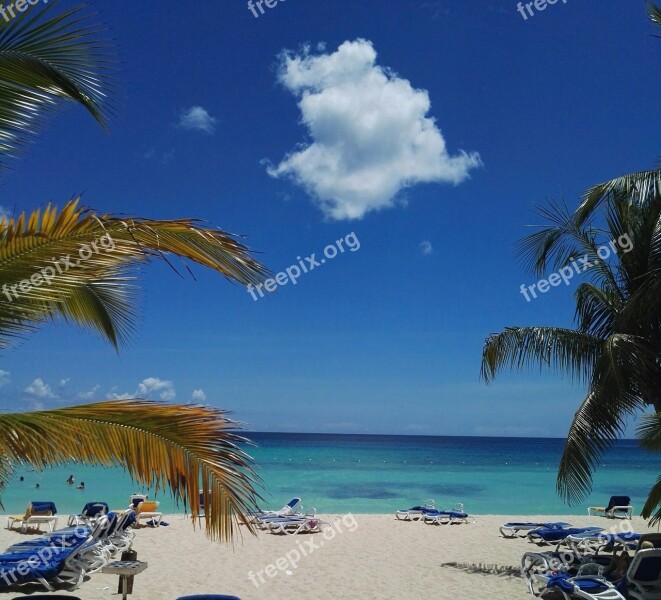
x=197, y=118
x=64, y=381
x=4, y=377
x=426, y=247
x=153, y=385
x=370, y=136
x=4, y=213
x=198, y=396
x=39, y=389
x=89, y=395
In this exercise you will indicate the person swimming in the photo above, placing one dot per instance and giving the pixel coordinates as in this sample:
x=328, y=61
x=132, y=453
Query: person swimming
x=81, y=486
x=71, y=480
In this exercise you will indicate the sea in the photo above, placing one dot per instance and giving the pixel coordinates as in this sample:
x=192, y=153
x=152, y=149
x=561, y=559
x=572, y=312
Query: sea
x=378, y=474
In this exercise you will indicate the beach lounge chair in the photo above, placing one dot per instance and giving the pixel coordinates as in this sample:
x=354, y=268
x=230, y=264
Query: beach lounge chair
x=446, y=517
x=415, y=512
x=552, y=574
x=512, y=529
x=643, y=579
x=135, y=499
x=619, y=507
x=287, y=510
x=147, y=510
x=90, y=513
x=545, y=535
x=595, y=541
x=35, y=514
x=295, y=525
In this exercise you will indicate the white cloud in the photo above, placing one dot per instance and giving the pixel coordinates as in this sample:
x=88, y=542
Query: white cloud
x=4, y=213
x=198, y=396
x=4, y=377
x=89, y=395
x=39, y=389
x=154, y=385
x=426, y=247
x=370, y=134
x=115, y=396
x=64, y=381
x=198, y=119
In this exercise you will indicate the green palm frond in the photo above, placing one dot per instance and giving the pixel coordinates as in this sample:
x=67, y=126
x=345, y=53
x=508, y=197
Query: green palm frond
x=85, y=257
x=640, y=188
x=596, y=425
x=655, y=13
x=46, y=58
x=524, y=347
x=185, y=449
x=652, y=507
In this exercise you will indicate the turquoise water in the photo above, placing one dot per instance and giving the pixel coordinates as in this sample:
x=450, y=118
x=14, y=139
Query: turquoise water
x=379, y=474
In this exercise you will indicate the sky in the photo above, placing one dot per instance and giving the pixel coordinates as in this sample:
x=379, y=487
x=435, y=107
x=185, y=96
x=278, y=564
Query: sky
x=405, y=144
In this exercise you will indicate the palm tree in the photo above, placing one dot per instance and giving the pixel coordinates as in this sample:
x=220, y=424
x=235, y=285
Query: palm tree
x=73, y=264
x=616, y=346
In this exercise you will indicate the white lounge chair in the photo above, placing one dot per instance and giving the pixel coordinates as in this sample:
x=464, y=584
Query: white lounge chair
x=35, y=514
x=512, y=529
x=644, y=575
x=619, y=507
x=294, y=525
x=416, y=512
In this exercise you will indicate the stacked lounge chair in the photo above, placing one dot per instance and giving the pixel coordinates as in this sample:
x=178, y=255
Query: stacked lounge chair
x=546, y=536
x=513, y=529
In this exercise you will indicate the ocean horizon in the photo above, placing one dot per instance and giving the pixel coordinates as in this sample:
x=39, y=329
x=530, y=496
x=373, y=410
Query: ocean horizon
x=372, y=473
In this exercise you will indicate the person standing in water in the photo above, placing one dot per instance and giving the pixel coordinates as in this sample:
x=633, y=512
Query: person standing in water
x=71, y=480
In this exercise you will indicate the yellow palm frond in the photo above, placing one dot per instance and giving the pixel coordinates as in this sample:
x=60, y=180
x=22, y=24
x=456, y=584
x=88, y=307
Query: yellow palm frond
x=73, y=263
x=186, y=449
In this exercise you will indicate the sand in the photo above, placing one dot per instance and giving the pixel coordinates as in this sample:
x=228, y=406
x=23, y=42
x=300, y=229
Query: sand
x=362, y=557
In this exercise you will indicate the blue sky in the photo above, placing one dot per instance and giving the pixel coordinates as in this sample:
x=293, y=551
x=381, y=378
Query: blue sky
x=428, y=130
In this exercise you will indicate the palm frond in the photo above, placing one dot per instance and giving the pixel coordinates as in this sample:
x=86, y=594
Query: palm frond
x=46, y=58
x=614, y=393
x=186, y=449
x=654, y=12
x=652, y=507
x=80, y=260
x=638, y=187
x=523, y=347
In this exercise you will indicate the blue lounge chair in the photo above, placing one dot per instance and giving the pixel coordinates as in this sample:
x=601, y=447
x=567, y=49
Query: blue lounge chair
x=36, y=513
x=643, y=578
x=287, y=510
x=619, y=507
x=595, y=541
x=91, y=511
x=512, y=529
x=548, y=574
x=447, y=517
x=544, y=535
x=415, y=512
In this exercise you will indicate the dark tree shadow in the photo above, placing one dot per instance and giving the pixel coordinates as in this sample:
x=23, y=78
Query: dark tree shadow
x=485, y=569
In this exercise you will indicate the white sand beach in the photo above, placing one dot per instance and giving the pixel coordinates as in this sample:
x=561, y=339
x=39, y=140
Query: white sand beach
x=367, y=557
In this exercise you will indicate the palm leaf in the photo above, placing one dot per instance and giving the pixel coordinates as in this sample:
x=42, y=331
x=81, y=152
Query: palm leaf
x=523, y=347
x=86, y=256
x=183, y=448
x=614, y=393
x=46, y=58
